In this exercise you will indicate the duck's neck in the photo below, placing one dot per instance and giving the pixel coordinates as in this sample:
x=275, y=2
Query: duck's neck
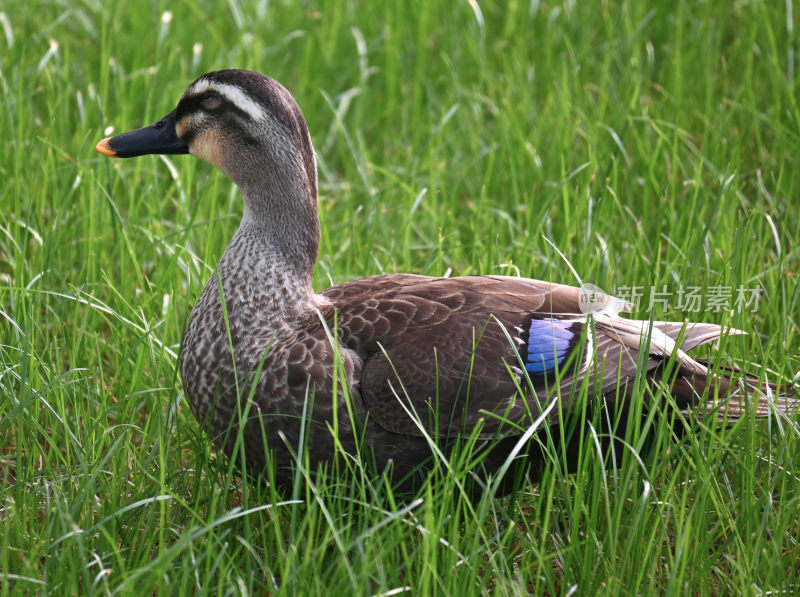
x=273, y=253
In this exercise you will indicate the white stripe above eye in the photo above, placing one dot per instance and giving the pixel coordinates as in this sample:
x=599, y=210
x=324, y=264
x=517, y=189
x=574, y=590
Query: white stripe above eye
x=233, y=94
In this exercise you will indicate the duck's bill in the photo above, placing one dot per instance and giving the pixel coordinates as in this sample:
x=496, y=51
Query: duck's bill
x=159, y=137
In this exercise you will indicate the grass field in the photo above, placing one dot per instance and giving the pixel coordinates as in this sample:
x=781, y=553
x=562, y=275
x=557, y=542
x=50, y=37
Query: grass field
x=654, y=144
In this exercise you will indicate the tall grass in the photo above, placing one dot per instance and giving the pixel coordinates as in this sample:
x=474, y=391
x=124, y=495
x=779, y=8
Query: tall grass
x=653, y=145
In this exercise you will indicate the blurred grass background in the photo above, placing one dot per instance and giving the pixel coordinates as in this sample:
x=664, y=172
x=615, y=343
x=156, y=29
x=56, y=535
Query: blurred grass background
x=653, y=144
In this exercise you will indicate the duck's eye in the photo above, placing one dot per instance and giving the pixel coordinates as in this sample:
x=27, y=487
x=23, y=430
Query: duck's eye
x=211, y=101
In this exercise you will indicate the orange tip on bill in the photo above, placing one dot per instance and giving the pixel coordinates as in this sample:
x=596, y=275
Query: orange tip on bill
x=104, y=148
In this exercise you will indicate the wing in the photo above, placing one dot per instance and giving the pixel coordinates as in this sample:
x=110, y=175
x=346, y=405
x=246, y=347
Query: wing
x=445, y=355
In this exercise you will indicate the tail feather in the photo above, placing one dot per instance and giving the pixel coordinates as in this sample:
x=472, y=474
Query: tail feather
x=702, y=387
x=735, y=393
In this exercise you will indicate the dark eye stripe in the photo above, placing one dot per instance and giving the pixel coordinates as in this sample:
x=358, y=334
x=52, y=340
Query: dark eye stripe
x=195, y=103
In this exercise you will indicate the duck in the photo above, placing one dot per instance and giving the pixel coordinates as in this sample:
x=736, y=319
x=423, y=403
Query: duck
x=400, y=367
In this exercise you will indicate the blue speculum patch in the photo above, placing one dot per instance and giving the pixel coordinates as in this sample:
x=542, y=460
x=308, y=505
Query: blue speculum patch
x=549, y=343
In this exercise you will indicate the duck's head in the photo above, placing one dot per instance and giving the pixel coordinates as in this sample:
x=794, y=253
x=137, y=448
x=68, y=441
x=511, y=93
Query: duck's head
x=244, y=123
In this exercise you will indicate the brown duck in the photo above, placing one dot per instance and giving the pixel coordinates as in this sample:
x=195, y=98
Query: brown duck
x=392, y=364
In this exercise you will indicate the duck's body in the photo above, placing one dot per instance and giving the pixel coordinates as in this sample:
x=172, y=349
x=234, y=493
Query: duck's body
x=411, y=355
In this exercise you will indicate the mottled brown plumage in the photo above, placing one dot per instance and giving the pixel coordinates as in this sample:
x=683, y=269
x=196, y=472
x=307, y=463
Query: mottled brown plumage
x=391, y=360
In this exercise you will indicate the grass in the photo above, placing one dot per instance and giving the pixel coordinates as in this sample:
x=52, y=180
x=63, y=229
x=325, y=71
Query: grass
x=652, y=144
